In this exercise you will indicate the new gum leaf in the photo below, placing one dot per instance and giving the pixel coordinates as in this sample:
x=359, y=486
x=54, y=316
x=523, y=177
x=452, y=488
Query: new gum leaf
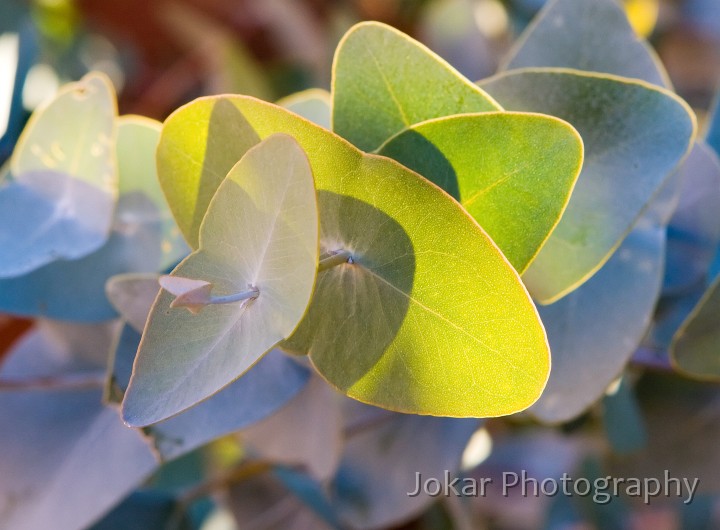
x=144, y=238
x=430, y=317
x=634, y=133
x=384, y=81
x=513, y=172
x=590, y=35
x=59, y=204
x=260, y=231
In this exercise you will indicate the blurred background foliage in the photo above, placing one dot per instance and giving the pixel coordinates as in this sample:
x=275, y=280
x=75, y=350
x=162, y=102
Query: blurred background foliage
x=161, y=54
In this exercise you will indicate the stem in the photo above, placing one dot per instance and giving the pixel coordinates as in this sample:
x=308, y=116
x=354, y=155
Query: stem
x=56, y=382
x=337, y=258
x=236, y=297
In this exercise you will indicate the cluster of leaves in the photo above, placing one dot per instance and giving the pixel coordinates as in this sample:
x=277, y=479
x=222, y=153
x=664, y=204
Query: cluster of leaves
x=389, y=238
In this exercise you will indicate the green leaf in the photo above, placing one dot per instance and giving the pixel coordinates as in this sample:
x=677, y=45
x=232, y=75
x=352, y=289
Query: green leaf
x=430, y=317
x=260, y=231
x=60, y=202
x=635, y=134
x=694, y=348
x=592, y=35
x=512, y=172
x=384, y=81
x=192, y=167
x=313, y=104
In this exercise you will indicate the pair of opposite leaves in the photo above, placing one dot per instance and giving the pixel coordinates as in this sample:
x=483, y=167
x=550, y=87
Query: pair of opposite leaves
x=334, y=348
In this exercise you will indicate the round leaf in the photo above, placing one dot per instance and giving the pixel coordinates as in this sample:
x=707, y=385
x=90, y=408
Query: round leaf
x=260, y=231
x=384, y=81
x=592, y=35
x=634, y=134
x=512, y=172
x=313, y=104
x=430, y=317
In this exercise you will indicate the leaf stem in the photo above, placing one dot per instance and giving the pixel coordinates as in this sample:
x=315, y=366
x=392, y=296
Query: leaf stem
x=337, y=258
x=56, y=382
x=235, y=297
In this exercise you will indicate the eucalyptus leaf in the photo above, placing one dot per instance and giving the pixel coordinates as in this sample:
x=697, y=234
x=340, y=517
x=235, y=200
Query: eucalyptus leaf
x=635, y=134
x=694, y=230
x=430, y=317
x=60, y=202
x=594, y=331
x=260, y=232
x=313, y=104
x=381, y=82
x=513, y=172
x=70, y=458
x=266, y=387
x=143, y=239
x=591, y=35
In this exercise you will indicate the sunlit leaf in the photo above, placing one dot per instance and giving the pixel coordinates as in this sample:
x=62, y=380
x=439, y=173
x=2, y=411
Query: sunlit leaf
x=512, y=172
x=69, y=458
x=142, y=240
x=634, y=134
x=59, y=204
x=429, y=317
x=260, y=232
x=313, y=104
x=381, y=82
x=694, y=230
x=593, y=35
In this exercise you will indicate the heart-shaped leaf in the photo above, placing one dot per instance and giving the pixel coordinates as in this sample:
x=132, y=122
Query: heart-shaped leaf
x=592, y=35
x=634, y=134
x=144, y=239
x=429, y=317
x=260, y=232
x=381, y=82
x=512, y=172
x=59, y=204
